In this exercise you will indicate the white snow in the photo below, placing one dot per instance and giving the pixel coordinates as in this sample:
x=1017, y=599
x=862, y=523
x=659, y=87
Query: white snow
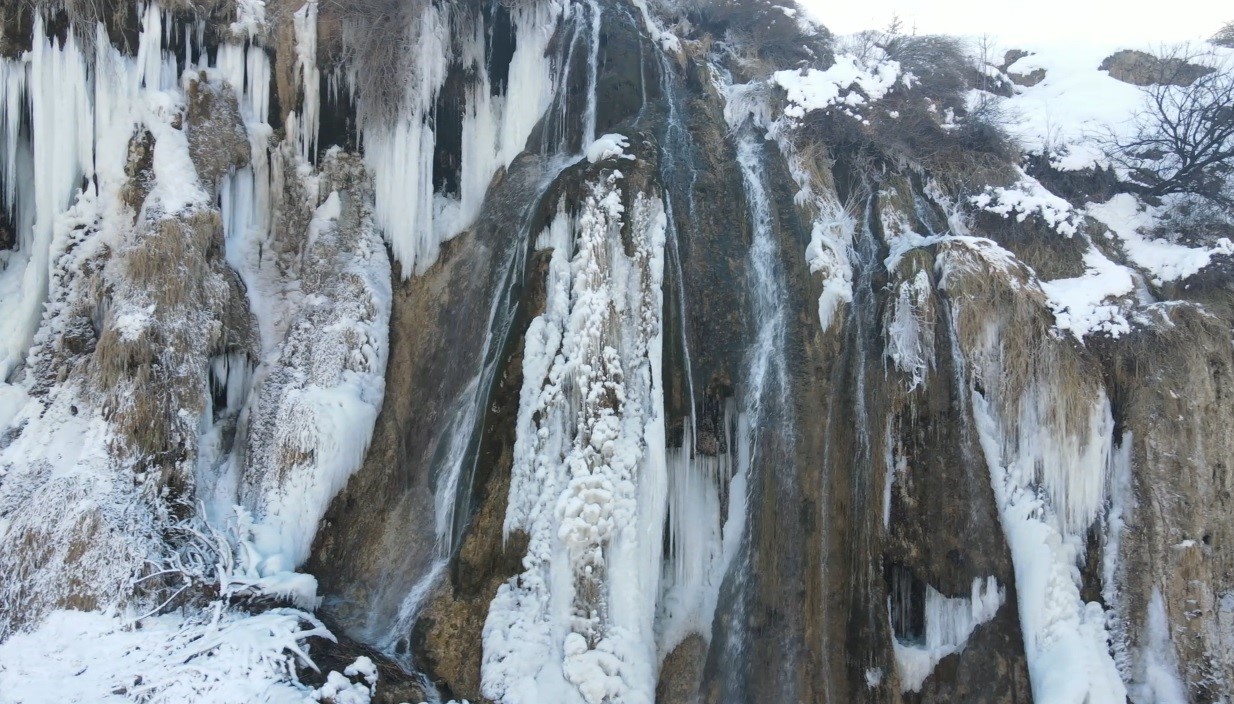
x=1087, y=304
x=1068, y=114
x=910, y=335
x=250, y=18
x=609, y=146
x=1164, y=261
x=847, y=84
x=314, y=413
x=1028, y=197
x=219, y=655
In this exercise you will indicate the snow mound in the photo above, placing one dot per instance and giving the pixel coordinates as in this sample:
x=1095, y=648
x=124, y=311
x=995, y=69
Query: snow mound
x=609, y=146
x=217, y=655
x=1028, y=197
x=1082, y=305
x=847, y=84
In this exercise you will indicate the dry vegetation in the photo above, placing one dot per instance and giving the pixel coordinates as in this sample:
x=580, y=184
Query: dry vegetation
x=377, y=47
x=768, y=29
x=926, y=126
x=1003, y=325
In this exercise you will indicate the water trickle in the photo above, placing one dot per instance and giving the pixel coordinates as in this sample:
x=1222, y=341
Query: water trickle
x=455, y=468
x=764, y=438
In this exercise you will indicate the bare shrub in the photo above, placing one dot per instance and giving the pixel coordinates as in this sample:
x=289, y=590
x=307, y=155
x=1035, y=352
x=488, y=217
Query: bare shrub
x=770, y=30
x=377, y=45
x=1224, y=36
x=938, y=64
x=1183, y=142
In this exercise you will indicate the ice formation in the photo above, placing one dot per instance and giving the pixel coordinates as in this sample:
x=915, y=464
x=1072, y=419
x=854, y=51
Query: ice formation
x=949, y=621
x=1065, y=638
x=414, y=217
x=910, y=333
x=175, y=249
x=589, y=478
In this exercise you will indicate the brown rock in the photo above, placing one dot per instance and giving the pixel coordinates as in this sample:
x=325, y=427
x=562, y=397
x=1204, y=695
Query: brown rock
x=1140, y=68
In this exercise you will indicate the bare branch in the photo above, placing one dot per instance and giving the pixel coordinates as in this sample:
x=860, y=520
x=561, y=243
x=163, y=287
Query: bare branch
x=1183, y=142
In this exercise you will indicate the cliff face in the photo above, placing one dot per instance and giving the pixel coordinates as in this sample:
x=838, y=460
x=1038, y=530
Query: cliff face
x=591, y=352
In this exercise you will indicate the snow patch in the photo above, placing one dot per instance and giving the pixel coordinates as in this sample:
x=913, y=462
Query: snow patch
x=609, y=146
x=1028, y=197
x=847, y=84
x=216, y=655
x=1083, y=305
x=1164, y=261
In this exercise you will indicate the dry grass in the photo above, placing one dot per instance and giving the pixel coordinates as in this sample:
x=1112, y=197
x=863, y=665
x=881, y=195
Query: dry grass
x=1003, y=325
x=377, y=37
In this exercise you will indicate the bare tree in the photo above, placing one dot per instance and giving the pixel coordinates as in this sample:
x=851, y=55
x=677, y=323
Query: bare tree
x=1183, y=142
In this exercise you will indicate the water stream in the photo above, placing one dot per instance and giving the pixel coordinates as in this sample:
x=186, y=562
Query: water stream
x=765, y=421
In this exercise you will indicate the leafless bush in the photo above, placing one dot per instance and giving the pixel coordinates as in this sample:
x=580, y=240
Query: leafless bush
x=1224, y=36
x=938, y=63
x=377, y=44
x=1183, y=142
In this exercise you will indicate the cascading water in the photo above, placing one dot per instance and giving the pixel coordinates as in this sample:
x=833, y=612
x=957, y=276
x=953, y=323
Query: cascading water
x=618, y=453
x=455, y=465
x=764, y=441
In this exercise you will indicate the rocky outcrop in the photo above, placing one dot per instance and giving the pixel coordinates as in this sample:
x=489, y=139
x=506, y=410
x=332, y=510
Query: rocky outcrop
x=1140, y=68
x=1031, y=78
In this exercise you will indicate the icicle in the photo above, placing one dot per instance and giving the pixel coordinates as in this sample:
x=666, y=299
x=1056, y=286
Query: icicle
x=948, y=624
x=305, y=23
x=12, y=102
x=701, y=539
x=231, y=374
x=414, y=219
x=1065, y=639
x=62, y=135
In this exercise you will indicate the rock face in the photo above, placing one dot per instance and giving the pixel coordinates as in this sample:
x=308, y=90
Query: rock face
x=614, y=355
x=1031, y=78
x=1139, y=68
